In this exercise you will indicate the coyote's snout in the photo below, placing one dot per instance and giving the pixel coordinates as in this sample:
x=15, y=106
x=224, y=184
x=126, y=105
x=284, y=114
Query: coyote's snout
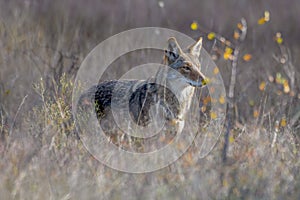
x=171, y=90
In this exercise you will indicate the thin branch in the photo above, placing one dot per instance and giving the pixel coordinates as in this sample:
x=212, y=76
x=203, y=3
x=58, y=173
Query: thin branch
x=235, y=59
x=275, y=134
x=19, y=108
x=233, y=73
x=295, y=118
x=226, y=136
x=231, y=94
x=2, y=121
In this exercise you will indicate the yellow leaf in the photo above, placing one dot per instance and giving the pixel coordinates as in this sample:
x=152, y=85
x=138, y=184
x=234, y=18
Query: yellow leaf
x=279, y=40
x=216, y=70
x=228, y=50
x=240, y=26
x=262, y=86
x=7, y=92
x=194, y=26
x=255, y=113
x=211, y=36
x=261, y=21
x=228, y=53
x=226, y=56
x=251, y=102
x=283, y=122
x=236, y=35
x=279, y=79
x=286, y=87
x=222, y=99
x=206, y=100
x=213, y=115
x=231, y=139
x=247, y=57
x=225, y=183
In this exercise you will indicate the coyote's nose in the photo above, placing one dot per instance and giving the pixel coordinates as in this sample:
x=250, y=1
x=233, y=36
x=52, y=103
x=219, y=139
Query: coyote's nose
x=198, y=83
x=202, y=80
x=205, y=81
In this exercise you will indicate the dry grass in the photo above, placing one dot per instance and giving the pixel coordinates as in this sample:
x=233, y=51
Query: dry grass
x=42, y=45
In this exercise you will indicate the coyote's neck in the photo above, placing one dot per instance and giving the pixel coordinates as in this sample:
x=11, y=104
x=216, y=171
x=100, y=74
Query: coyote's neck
x=178, y=86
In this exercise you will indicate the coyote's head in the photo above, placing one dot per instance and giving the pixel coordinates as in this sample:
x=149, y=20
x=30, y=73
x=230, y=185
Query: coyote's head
x=185, y=64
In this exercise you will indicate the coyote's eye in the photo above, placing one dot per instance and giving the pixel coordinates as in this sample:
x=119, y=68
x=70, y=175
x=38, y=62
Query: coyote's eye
x=186, y=68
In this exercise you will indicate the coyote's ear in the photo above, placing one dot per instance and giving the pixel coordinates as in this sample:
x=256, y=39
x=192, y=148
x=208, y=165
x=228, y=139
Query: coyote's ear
x=195, y=48
x=173, y=51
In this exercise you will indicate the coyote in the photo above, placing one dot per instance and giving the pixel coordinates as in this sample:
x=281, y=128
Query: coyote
x=171, y=90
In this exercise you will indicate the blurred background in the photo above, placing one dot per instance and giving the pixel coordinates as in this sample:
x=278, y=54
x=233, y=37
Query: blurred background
x=42, y=45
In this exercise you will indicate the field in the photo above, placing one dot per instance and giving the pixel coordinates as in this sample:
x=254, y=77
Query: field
x=255, y=45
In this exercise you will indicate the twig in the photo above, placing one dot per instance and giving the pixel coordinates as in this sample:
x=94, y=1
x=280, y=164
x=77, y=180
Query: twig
x=2, y=120
x=19, y=108
x=226, y=136
x=295, y=118
x=262, y=105
x=275, y=133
